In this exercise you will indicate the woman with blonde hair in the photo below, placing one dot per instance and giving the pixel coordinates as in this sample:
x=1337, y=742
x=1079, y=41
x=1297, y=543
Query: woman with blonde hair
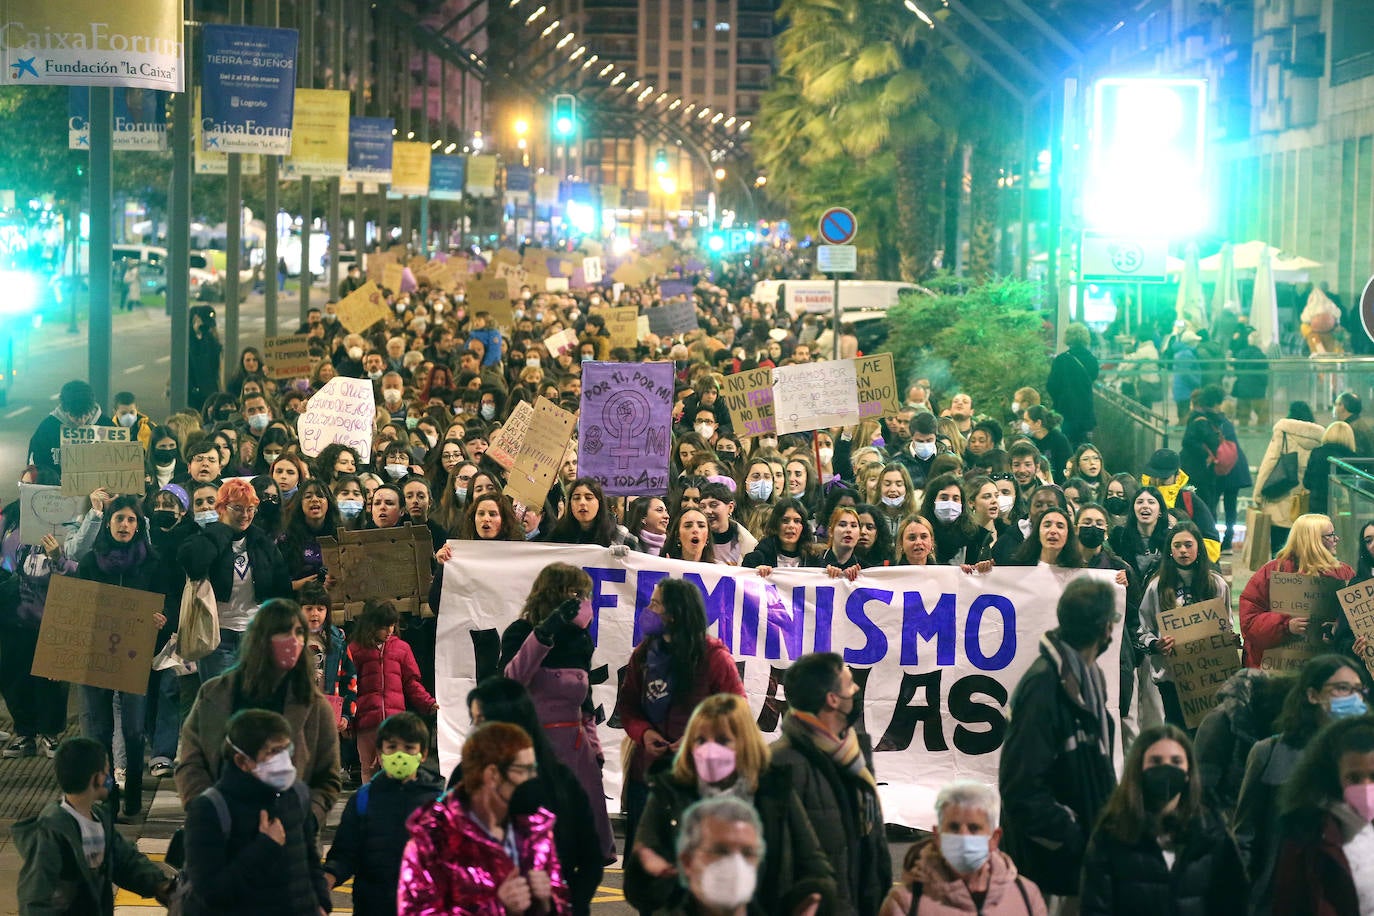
x=897, y=496
x=722, y=752
x=946, y=427
x=1310, y=551
x=1337, y=442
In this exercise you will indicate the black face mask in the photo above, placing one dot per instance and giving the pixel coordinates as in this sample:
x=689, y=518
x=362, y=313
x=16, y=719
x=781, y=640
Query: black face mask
x=163, y=519
x=1092, y=537
x=1116, y=505
x=1161, y=783
x=163, y=457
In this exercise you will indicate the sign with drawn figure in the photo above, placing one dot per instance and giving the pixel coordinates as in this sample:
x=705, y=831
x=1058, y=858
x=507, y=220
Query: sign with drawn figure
x=815, y=396
x=625, y=430
x=43, y=510
x=98, y=635
x=363, y=308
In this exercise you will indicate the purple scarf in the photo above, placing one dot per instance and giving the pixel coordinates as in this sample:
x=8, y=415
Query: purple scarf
x=122, y=559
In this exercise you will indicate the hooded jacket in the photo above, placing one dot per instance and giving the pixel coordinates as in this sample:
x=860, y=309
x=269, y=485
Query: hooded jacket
x=55, y=878
x=1192, y=505
x=45, y=446
x=944, y=893
x=388, y=682
x=1289, y=436
x=451, y=865
x=1225, y=736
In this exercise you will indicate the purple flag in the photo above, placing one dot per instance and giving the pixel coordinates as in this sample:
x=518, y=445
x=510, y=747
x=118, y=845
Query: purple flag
x=625, y=429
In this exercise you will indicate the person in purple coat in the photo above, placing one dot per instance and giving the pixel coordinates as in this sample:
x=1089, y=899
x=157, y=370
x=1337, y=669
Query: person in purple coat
x=549, y=650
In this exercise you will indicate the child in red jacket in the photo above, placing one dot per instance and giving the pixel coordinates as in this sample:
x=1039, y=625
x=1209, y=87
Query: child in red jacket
x=388, y=678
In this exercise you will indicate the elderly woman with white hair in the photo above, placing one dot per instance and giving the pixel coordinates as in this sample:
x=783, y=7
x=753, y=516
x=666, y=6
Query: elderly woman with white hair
x=960, y=869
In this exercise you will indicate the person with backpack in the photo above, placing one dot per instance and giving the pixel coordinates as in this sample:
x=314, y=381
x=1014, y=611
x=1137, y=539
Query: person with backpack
x=250, y=838
x=1230, y=465
x=372, y=833
x=1164, y=474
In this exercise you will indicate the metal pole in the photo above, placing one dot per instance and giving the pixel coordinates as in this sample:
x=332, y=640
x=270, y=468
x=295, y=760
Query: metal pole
x=835, y=319
x=425, y=136
x=233, y=240
x=271, y=175
x=309, y=10
x=336, y=39
x=99, y=345
x=179, y=228
x=359, y=235
x=1027, y=163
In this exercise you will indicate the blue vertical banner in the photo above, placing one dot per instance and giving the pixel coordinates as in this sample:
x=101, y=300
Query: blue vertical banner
x=446, y=172
x=519, y=178
x=140, y=119
x=369, y=150
x=248, y=90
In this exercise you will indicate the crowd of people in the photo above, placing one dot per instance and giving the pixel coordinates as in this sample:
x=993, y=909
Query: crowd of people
x=1265, y=807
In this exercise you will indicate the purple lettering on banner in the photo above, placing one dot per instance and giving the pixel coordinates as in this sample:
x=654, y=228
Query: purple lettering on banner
x=625, y=427
x=645, y=583
x=602, y=599
x=973, y=647
x=785, y=624
x=720, y=606
x=937, y=624
x=876, y=646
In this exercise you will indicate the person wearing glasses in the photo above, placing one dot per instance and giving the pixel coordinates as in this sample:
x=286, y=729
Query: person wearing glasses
x=470, y=853
x=243, y=565
x=1309, y=551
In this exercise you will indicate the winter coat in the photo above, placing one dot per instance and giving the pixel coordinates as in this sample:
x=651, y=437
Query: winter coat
x=146, y=576
x=1301, y=437
x=1054, y=779
x=35, y=570
x=1317, y=476
x=1262, y=628
x=340, y=679
x=558, y=677
x=792, y=857
x=55, y=878
x=717, y=674
x=1057, y=449
x=861, y=861
x=944, y=893
x=1187, y=372
x=314, y=739
x=1132, y=879
x=580, y=853
x=1070, y=387
x=1225, y=737
x=1239, y=476
x=452, y=866
x=209, y=553
x=367, y=847
x=766, y=553
x=247, y=872
x=1252, y=378
x=1271, y=763
x=1313, y=873
x=388, y=682
x=1179, y=495
x=1148, y=634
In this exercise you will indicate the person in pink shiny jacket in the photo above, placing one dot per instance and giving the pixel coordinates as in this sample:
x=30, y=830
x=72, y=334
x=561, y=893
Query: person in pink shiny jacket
x=469, y=854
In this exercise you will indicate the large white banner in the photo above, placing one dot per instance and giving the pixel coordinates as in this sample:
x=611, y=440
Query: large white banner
x=936, y=652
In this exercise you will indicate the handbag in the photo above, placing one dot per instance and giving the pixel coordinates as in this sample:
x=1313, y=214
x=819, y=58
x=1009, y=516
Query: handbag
x=1255, y=551
x=1285, y=475
x=198, y=632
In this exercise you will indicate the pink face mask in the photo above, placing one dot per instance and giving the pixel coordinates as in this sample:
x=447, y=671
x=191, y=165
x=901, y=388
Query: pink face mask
x=1361, y=798
x=584, y=614
x=286, y=649
x=714, y=762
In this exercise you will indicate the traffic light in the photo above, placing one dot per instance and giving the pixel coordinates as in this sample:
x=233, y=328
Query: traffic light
x=661, y=161
x=715, y=242
x=564, y=116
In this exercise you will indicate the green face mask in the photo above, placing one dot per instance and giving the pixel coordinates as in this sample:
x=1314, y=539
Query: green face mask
x=401, y=765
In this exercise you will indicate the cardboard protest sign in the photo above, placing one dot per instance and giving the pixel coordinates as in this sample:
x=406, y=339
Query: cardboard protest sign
x=392, y=275
x=622, y=323
x=749, y=398
x=506, y=441
x=491, y=294
x=1205, y=654
x=386, y=564
x=287, y=357
x=626, y=427
x=630, y=274
x=563, y=341
x=44, y=510
x=116, y=466
x=591, y=270
x=673, y=318
x=876, y=378
x=541, y=453
x=79, y=434
x=363, y=308
x=1296, y=595
x=342, y=411
x=815, y=396
x=1357, y=602
x=506, y=256
x=96, y=634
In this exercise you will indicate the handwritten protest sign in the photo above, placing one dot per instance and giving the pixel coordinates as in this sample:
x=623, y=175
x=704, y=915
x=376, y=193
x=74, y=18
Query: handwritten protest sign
x=560, y=342
x=1296, y=595
x=1205, y=654
x=626, y=427
x=815, y=396
x=591, y=270
x=1357, y=601
x=363, y=308
x=116, y=466
x=622, y=323
x=387, y=564
x=491, y=294
x=44, y=510
x=541, y=453
x=96, y=634
x=392, y=275
x=876, y=379
x=342, y=411
x=79, y=434
x=506, y=441
x=287, y=357
x=749, y=398
x=673, y=318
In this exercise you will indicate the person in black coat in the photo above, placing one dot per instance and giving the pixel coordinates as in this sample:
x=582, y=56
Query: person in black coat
x=372, y=832
x=203, y=357
x=1337, y=442
x=265, y=862
x=788, y=542
x=1070, y=385
x=1158, y=848
x=1056, y=767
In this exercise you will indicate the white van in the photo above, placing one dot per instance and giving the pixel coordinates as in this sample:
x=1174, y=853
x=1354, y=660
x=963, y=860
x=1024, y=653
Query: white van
x=800, y=297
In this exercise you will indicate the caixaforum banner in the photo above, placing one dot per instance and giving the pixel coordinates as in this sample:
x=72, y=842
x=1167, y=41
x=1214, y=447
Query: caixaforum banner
x=92, y=43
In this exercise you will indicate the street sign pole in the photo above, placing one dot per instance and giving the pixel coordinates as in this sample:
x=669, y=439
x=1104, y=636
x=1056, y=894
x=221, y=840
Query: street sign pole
x=835, y=321
x=838, y=227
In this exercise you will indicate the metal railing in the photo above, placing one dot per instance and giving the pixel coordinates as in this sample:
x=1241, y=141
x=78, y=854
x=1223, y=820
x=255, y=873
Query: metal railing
x=1128, y=432
x=1351, y=502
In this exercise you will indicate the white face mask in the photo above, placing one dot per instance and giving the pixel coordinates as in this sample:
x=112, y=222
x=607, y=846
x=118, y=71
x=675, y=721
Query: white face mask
x=1005, y=503
x=947, y=510
x=965, y=854
x=705, y=430
x=728, y=882
x=759, y=489
x=277, y=771
x=128, y=419
x=355, y=352
x=923, y=450
x=1016, y=407
x=391, y=395
x=488, y=411
x=893, y=502
x=397, y=471
x=826, y=454
x=206, y=517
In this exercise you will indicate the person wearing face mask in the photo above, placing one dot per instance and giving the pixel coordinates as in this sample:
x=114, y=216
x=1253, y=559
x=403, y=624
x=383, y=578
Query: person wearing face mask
x=549, y=650
x=128, y=416
x=1328, y=688
x=1158, y=847
x=273, y=673
x=719, y=847
x=961, y=868
x=1056, y=770
x=722, y=754
x=164, y=463
x=829, y=762
x=943, y=504
x=250, y=840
